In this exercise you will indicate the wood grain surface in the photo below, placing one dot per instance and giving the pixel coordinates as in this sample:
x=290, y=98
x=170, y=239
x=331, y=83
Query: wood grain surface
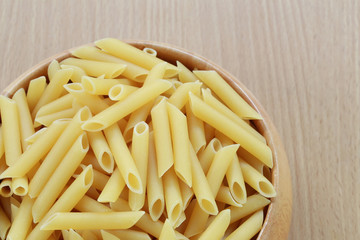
x=301, y=59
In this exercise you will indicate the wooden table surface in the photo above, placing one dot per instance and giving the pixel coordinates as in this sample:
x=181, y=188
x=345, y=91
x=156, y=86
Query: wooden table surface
x=301, y=59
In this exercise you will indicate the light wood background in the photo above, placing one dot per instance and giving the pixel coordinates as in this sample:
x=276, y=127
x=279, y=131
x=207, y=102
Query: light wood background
x=300, y=58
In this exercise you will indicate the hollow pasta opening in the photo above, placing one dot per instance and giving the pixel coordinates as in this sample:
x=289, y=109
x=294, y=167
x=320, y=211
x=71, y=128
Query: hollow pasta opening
x=141, y=127
x=267, y=189
x=20, y=191
x=92, y=126
x=216, y=145
x=6, y=191
x=238, y=193
x=208, y=206
x=88, y=85
x=134, y=183
x=117, y=72
x=106, y=162
x=157, y=209
x=175, y=213
x=85, y=115
x=84, y=142
x=88, y=179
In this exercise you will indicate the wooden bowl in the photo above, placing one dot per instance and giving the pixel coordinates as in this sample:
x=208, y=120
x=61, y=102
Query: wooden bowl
x=278, y=217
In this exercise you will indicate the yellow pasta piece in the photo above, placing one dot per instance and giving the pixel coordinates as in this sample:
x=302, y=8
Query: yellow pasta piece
x=120, y=205
x=180, y=140
x=253, y=204
x=156, y=73
x=249, y=228
x=231, y=130
x=92, y=220
x=224, y=196
x=197, y=222
x=140, y=153
x=2, y=150
x=202, y=190
x=132, y=71
x=162, y=137
x=78, y=73
x=180, y=97
x=121, y=109
x=65, y=203
x=256, y=180
x=101, y=150
x=59, y=178
x=58, y=151
x=6, y=187
x=236, y=181
x=185, y=75
x=87, y=204
x=150, y=51
x=113, y=188
x=5, y=224
x=123, y=158
x=95, y=68
x=54, y=89
x=108, y=236
x=98, y=86
x=230, y=97
x=22, y=222
x=47, y=120
x=186, y=194
x=167, y=232
x=35, y=90
x=155, y=191
x=26, y=123
x=20, y=186
x=131, y=54
x=90, y=158
x=217, y=228
x=130, y=234
x=206, y=156
x=173, y=200
x=60, y=104
x=120, y=91
x=72, y=235
x=196, y=130
x=216, y=104
x=52, y=69
x=11, y=130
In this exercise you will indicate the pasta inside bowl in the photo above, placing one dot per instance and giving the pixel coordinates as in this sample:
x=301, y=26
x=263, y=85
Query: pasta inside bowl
x=175, y=152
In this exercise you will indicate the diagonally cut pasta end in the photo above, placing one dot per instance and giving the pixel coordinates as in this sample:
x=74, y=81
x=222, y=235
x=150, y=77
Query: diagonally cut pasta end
x=238, y=192
x=93, y=126
x=134, y=183
x=45, y=225
x=156, y=209
x=208, y=206
x=74, y=87
x=106, y=161
x=267, y=189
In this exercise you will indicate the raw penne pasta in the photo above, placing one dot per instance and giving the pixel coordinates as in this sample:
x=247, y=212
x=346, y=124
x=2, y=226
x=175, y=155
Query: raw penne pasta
x=54, y=89
x=58, y=151
x=173, y=200
x=123, y=158
x=236, y=181
x=120, y=205
x=121, y=109
x=230, y=97
x=78, y=73
x=20, y=186
x=37, y=151
x=130, y=234
x=60, y=104
x=217, y=228
x=73, y=235
x=167, y=231
x=150, y=51
x=131, y=54
x=156, y=73
x=186, y=194
x=140, y=153
x=5, y=224
x=202, y=190
x=35, y=90
x=216, y=104
x=224, y=196
x=257, y=181
x=99, y=85
x=249, y=228
x=132, y=71
x=154, y=187
x=108, y=236
x=180, y=140
x=197, y=222
x=196, y=130
x=53, y=67
x=96, y=68
x=59, y=178
x=87, y=204
x=162, y=137
x=22, y=222
x=181, y=95
x=92, y=220
x=6, y=188
x=31, y=139
x=90, y=158
x=14, y=211
x=10, y=130
x=231, y=130
x=120, y=91
x=206, y=156
x=113, y=187
x=47, y=120
x=65, y=203
x=101, y=150
x=25, y=120
x=185, y=75
x=2, y=150
x=253, y=204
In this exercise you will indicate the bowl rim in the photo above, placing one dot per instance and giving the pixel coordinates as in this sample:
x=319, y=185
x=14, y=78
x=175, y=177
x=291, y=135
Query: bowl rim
x=278, y=218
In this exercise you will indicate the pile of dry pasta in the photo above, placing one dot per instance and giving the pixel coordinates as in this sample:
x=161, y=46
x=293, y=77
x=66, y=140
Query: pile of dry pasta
x=115, y=143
